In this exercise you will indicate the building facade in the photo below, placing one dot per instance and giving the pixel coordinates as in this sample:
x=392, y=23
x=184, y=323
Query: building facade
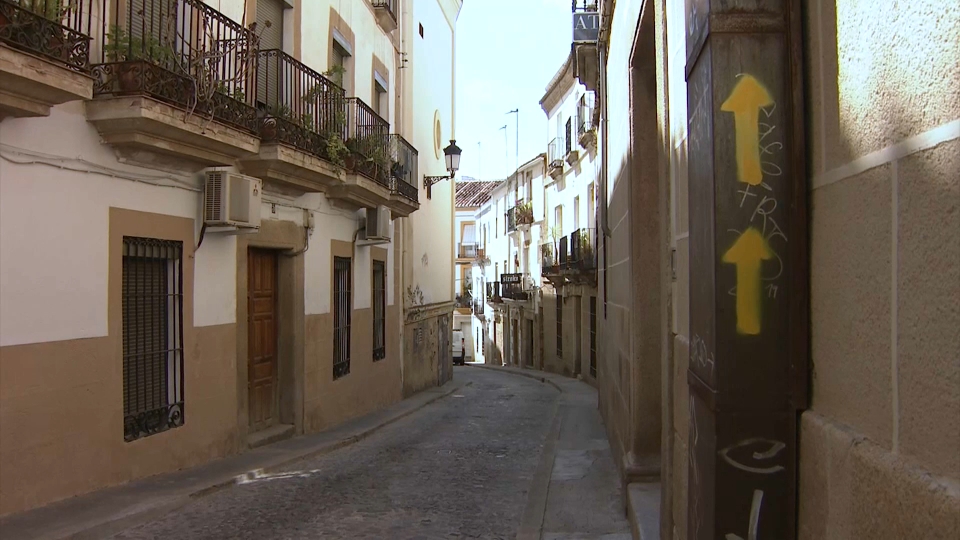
x=778, y=289
x=568, y=235
x=470, y=253
x=237, y=201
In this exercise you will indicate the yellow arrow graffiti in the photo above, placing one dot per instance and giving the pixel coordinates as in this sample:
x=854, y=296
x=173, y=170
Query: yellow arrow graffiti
x=746, y=253
x=745, y=101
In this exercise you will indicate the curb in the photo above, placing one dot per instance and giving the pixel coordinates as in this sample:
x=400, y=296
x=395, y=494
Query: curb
x=522, y=374
x=150, y=511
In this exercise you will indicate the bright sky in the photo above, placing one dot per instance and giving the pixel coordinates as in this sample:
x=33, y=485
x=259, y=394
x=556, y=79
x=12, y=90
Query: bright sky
x=507, y=52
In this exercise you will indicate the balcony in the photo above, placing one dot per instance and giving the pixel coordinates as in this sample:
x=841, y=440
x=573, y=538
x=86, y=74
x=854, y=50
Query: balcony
x=512, y=287
x=467, y=251
x=302, y=125
x=404, y=173
x=44, y=55
x=386, y=11
x=520, y=216
x=481, y=257
x=478, y=308
x=367, y=160
x=493, y=293
x=586, y=131
x=463, y=303
x=555, y=157
x=582, y=264
x=177, y=86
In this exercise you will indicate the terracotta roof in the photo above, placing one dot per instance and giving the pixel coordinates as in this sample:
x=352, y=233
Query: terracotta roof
x=474, y=193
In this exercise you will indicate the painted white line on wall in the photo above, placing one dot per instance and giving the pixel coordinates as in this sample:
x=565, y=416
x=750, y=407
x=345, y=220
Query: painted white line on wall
x=894, y=263
x=928, y=139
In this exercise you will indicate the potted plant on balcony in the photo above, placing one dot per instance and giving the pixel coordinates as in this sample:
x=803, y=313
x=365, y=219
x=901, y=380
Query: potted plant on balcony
x=129, y=52
x=525, y=213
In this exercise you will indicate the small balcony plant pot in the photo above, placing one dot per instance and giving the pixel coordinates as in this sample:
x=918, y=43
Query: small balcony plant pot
x=268, y=129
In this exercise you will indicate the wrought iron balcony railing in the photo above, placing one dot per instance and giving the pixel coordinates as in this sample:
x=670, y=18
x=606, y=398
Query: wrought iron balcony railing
x=548, y=259
x=512, y=287
x=555, y=152
x=478, y=307
x=467, y=250
x=301, y=107
x=493, y=292
x=184, y=53
x=58, y=30
x=368, y=138
x=583, y=253
x=403, y=168
x=521, y=214
x=585, y=114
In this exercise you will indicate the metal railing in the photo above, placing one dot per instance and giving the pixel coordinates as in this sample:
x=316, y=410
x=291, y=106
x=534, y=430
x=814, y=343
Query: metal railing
x=368, y=138
x=58, y=30
x=302, y=107
x=582, y=251
x=568, y=137
x=512, y=287
x=478, y=307
x=184, y=53
x=585, y=114
x=389, y=5
x=493, y=292
x=548, y=260
x=554, y=152
x=467, y=250
x=562, y=253
x=520, y=214
x=403, y=167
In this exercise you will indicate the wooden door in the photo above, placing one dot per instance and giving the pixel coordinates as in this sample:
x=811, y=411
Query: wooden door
x=262, y=338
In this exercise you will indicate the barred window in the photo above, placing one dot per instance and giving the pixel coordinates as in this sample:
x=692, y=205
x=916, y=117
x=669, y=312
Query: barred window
x=560, y=326
x=152, y=298
x=379, y=310
x=342, y=309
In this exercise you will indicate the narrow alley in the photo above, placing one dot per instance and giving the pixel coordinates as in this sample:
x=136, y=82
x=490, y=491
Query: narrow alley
x=484, y=461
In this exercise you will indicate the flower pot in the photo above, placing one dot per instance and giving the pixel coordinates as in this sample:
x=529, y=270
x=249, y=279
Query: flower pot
x=350, y=161
x=127, y=77
x=268, y=129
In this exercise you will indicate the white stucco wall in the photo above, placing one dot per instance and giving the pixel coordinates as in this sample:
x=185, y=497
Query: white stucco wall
x=430, y=253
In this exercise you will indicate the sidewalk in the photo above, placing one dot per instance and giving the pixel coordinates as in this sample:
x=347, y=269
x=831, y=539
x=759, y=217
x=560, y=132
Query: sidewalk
x=105, y=512
x=576, y=490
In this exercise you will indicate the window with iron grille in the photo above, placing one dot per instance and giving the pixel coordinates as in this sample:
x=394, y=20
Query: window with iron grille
x=593, y=336
x=152, y=330
x=559, y=325
x=342, y=309
x=379, y=310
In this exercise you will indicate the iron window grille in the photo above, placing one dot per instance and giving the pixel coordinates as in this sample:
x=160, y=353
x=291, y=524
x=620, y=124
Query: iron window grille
x=559, y=326
x=379, y=310
x=593, y=337
x=152, y=330
x=342, y=308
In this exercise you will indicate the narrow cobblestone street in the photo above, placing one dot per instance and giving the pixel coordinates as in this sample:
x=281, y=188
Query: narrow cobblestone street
x=459, y=468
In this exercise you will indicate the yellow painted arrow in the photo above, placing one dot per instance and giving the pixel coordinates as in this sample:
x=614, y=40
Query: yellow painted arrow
x=745, y=101
x=746, y=253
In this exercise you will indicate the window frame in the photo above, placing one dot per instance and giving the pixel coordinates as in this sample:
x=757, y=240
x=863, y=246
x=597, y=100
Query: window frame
x=342, y=300
x=379, y=300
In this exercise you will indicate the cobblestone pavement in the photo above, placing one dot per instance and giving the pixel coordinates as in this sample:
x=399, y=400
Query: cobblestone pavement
x=459, y=468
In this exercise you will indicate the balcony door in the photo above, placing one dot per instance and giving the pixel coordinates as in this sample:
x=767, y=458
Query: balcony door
x=270, y=27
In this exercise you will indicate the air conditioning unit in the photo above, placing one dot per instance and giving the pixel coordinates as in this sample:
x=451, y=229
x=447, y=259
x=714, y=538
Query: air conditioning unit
x=231, y=200
x=377, y=227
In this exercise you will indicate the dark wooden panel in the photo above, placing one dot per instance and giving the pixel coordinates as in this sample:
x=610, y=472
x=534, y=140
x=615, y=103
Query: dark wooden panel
x=262, y=331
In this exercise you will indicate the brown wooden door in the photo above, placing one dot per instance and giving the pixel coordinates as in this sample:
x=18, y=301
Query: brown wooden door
x=262, y=337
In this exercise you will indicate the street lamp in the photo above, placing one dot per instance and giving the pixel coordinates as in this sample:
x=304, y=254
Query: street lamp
x=451, y=156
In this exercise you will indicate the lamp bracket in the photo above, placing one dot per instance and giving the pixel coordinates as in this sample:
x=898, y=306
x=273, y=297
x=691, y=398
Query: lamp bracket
x=431, y=180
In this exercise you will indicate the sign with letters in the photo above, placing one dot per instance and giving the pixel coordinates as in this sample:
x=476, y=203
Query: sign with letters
x=586, y=26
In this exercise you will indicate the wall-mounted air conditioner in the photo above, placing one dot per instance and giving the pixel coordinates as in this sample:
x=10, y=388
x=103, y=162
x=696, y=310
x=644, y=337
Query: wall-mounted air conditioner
x=231, y=200
x=377, y=226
